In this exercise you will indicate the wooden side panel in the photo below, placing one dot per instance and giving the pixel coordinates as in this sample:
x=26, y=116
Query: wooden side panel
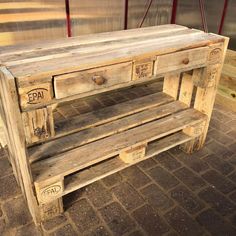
x=171, y=84
x=38, y=124
x=17, y=139
x=133, y=155
x=36, y=94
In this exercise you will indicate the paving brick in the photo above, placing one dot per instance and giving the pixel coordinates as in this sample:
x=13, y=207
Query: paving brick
x=128, y=196
x=233, y=219
x=5, y=167
x=219, y=164
x=17, y=212
x=219, y=181
x=186, y=199
x=219, y=149
x=157, y=198
x=69, y=199
x=150, y=221
x=99, y=231
x=135, y=176
x=221, y=126
x=2, y=226
x=232, y=134
x=117, y=219
x=9, y=187
x=137, y=233
x=112, y=180
x=233, y=177
x=232, y=196
x=147, y=164
x=215, y=224
x=221, y=116
x=232, y=148
x=98, y=194
x=28, y=230
x=221, y=137
x=183, y=223
x=66, y=230
x=54, y=222
x=83, y=215
x=163, y=178
x=217, y=201
x=168, y=161
x=231, y=123
x=194, y=163
x=189, y=178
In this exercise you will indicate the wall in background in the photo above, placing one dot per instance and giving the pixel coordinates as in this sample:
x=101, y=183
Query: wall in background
x=27, y=20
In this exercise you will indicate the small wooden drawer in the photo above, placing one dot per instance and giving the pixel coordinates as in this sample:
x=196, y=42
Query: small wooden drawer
x=187, y=59
x=92, y=79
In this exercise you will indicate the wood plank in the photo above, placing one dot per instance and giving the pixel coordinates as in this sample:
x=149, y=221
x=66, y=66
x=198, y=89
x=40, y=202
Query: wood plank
x=110, y=113
x=112, y=56
x=171, y=84
x=86, y=136
x=186, y=89
x=95, y=152
x=113, y=165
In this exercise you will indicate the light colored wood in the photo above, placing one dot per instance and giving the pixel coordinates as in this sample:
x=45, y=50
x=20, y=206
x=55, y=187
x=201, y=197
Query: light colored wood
x=100, y=150
x=92, y=134
x=171, y=84
x=134, y=154
x=143, y=68
x=113, y=165
x=17, y=139
x=186, y=89
x=35, y=94
x=51, y=209
x=84, y=81
x=184, y=60
x=38, y=125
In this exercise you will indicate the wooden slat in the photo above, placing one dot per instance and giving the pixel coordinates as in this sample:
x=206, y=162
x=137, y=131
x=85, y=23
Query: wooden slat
x=171, y=84
x=86, y=136
x=92, y=153
x=114, y=165
x=110, y=113
x=186, y=90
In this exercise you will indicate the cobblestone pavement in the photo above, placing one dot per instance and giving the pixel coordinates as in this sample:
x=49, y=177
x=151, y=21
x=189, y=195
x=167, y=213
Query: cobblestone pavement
x=170, y=194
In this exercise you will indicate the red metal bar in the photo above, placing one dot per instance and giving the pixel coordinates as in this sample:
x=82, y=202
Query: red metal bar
x=203, y=15
x=223, y=16
x=174, y=11
x=126, y=14
x=68, y=20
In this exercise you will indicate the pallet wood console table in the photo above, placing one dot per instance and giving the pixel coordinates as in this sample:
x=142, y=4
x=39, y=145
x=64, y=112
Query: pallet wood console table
x=52, y=158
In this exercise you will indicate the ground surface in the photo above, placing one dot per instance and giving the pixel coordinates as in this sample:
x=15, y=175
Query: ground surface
x=170, y=194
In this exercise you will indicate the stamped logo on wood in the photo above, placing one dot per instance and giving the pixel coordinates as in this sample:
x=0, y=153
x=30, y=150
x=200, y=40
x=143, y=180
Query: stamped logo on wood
x=215, y=56
x=35, y=96
x=143, y=70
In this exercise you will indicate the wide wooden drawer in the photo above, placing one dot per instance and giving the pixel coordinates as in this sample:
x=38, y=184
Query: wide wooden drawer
x=92, y=79
x=187, y=59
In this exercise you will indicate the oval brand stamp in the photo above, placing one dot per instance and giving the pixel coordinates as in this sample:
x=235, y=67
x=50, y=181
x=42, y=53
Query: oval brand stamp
x=37, y=95
x=51, y=191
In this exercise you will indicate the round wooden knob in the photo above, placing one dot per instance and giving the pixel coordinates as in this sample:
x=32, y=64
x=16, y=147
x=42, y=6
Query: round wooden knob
x=99, y=80
x=185, y=61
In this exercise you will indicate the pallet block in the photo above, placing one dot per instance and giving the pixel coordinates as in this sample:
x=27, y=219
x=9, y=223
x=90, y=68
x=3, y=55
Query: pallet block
x=52, y=157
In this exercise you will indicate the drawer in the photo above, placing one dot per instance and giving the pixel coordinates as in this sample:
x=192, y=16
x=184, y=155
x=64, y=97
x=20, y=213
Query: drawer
x=188, y=59
x=92, y=79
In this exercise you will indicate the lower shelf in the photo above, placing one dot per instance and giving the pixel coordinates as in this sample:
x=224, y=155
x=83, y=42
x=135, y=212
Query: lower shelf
x=113, y=165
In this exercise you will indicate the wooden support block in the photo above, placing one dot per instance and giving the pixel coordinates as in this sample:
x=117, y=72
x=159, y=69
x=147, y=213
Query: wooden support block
x=49, y=191
x=50, y=210
x=186, y=89
x=133, y=154
x=36, y=94
x=38, y=124
x=216, y=54
x=171, y=84
x=143, y=69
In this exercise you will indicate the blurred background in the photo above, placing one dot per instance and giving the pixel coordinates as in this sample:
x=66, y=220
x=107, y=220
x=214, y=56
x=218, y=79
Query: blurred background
x=22, y=20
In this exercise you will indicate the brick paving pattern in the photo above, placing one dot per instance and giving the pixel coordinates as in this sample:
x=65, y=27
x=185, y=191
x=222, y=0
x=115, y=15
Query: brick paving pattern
x=170, y=194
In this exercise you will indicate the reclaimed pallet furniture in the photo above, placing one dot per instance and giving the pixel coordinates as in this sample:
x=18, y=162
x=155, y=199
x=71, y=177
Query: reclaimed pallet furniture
x=52, y=158
x=226, y=93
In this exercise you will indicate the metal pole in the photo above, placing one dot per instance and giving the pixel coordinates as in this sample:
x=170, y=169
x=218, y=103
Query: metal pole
x=68, y=20
x=145, y=14
x=203, y=15
x=174, y=11
x=126, y=14
x=223, y=16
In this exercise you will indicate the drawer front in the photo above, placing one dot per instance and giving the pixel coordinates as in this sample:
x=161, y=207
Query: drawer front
x=188, y=59
x=92, y=79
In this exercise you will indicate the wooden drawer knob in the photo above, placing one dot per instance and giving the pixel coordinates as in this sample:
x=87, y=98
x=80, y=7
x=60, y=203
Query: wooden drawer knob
x=99, y=80
x=185, y=61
